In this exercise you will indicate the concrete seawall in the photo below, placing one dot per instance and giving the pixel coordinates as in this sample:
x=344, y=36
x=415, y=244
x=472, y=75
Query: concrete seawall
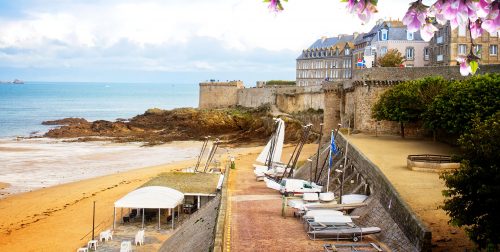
x=197, y=232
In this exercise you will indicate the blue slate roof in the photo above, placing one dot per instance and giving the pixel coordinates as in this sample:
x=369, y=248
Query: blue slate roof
x=328, y=42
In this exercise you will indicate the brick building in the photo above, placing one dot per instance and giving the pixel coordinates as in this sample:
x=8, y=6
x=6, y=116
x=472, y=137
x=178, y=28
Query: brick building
x=447, y=44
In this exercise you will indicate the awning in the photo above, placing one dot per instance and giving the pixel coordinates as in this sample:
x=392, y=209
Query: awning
x=151, y=197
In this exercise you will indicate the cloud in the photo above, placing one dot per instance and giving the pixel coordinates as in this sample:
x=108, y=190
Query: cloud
x=223, y=36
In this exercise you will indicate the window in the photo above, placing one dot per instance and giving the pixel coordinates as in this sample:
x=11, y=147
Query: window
x=410, y=53
x=409, y=35
x=346, y=51
x=478, y=50
x=426, y=53
x=461, y=30
x=493, y=49
x=383, y=51
x=462, y=49
x=384, y=34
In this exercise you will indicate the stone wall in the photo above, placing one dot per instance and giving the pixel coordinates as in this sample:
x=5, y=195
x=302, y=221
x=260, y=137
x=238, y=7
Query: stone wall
x=219, y=94
x=196, y=233
x=255, y=97
x=296, y=99
x=402, y=230
x=410, y=73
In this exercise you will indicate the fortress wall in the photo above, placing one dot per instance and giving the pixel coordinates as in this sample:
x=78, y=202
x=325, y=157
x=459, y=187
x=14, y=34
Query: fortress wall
x=219, y=94
x=255, y=97
x=411, y=73
x=402, y=229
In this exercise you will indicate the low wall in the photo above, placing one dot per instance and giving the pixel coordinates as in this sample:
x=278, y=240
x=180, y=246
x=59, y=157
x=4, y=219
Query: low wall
x=402, y=230
x=411, y=73
x=197, y=233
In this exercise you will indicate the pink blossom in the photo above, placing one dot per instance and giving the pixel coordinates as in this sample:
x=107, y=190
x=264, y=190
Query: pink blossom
x=492, y=22
x=436, y=11
x=457, y=12
x=465, y=68
x=475, y=29
x=483, y=8
x=427, y=31
x=363, y=8
x=274, y=6
x=414, y=19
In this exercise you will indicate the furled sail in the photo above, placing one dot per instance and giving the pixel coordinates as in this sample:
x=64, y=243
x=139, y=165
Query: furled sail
x=276, y=142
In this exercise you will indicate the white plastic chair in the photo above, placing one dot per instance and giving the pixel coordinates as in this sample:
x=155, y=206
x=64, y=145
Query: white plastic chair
x=92, y=244
x=126, y=246
x=106, y=235
x=139, y=238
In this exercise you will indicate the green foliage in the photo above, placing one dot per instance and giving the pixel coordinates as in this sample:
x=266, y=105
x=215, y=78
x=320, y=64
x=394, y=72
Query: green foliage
x=280, y=83
x=393, y=58
x=462, y=102
x=473, y=194
x=406, y=102
x=400, y=103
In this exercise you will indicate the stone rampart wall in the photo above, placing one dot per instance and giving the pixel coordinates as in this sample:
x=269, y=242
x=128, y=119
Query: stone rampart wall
x=402, y=230
x=410, y=73
x=196, y=233
x=255, y=97
x=219, y=94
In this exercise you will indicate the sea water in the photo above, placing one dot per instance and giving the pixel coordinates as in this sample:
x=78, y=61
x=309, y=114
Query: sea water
x=24, y=107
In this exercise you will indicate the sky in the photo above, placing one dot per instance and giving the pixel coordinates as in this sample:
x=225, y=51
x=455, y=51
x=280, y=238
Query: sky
x=167, y=41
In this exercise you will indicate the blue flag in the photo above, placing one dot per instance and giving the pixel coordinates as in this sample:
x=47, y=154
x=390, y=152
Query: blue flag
x=333, y=151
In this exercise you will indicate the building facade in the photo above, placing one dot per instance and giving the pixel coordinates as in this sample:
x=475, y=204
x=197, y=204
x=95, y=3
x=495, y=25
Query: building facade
x=387, y=35
x=447, y=44
x=326, y=59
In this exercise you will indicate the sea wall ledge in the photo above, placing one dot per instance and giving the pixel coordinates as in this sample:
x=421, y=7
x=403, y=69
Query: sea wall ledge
x=388, y=199
x=411, y=73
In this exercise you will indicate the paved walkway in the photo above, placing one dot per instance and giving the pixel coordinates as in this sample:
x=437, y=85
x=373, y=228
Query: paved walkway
x=256, y=222
x=421, y=190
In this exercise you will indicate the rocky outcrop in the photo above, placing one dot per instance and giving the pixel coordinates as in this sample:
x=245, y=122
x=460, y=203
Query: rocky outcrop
x=66, y=121
x=155, y=126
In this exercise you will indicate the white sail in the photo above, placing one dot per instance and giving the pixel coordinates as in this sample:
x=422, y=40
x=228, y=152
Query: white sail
x=263, y=154
x=279, y=143
x=278, y=146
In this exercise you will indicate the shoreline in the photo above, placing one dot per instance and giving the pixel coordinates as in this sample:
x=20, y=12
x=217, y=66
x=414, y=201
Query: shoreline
x=34, y=164
x=57, y=218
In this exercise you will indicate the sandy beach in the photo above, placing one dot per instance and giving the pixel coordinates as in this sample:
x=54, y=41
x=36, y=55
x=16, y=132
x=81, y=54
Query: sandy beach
x=59, y=218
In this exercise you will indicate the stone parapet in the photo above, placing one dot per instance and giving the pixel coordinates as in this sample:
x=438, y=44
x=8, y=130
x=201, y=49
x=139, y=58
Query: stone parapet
x=411, y=73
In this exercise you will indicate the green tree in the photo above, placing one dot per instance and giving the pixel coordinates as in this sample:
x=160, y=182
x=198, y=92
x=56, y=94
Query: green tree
x=392, y=58
x=473, y=194
x=401, y=103
x=455, y=109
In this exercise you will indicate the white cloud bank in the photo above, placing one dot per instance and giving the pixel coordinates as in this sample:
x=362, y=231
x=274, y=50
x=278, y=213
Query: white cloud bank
x=172, y=36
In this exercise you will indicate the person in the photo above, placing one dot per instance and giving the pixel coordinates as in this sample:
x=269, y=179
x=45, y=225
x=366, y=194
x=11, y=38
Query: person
x=233, y=165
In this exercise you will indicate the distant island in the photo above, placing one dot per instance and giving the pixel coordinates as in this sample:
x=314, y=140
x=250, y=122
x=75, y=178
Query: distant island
x=15, y=81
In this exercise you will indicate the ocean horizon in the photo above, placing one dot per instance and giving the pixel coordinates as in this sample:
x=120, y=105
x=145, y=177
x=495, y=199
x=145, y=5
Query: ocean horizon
x=23, y=107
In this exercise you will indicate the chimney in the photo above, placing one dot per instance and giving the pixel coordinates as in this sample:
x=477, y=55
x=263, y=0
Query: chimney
x=355, y=35
x=323, y=39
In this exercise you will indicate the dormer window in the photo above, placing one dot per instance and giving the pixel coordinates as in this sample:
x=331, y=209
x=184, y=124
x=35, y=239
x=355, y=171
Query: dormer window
x=384, y=34
x=346, y=51
x=409, y=35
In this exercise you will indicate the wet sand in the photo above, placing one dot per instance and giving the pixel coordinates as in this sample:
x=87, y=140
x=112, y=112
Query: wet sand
x=4, y=185
x=31, y=164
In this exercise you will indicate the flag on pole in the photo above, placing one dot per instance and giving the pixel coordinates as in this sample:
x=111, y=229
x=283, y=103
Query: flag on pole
x=333, y=151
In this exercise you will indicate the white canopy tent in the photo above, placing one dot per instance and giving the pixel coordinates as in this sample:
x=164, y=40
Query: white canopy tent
x=150, y=197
